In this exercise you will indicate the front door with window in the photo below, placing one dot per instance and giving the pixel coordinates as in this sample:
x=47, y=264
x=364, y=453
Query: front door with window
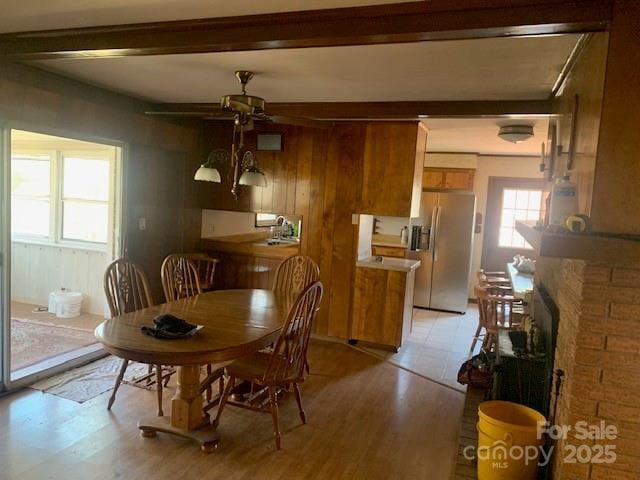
x=509, y=199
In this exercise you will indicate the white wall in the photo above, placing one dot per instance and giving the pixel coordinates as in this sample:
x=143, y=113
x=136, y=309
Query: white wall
x=218, y=223
x=391, y=225
x=451, y=160
x=37, y=270
x=494, y=166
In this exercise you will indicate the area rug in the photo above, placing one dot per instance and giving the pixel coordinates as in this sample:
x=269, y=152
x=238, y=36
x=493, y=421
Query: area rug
x=32, y=342
x=86, y=382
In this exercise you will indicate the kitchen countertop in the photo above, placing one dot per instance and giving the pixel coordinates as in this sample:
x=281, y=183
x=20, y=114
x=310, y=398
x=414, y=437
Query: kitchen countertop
x=522, y=283
x=253, y=243
x=388, y=263
x=380, y=240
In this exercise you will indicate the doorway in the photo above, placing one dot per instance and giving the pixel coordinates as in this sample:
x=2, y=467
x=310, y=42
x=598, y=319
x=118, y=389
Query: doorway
x=61, y=227
x=508, y=200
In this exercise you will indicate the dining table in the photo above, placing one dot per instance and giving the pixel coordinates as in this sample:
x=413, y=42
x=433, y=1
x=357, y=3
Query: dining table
x=235, y=323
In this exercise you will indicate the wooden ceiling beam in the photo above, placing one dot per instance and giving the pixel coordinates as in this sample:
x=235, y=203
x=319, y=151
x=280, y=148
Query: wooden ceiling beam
x=374, y=110
x=390, y=23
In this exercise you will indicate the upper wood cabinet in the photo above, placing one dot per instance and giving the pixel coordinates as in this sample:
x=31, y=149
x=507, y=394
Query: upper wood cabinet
x=448, y=178
x=392, y=168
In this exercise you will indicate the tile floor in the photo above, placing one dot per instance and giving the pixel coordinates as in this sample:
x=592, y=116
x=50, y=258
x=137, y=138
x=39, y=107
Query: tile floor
x=438, y=344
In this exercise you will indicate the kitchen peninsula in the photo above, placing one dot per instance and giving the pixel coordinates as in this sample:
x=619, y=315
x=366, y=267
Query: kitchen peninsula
x=383, y=300
x=247, y=260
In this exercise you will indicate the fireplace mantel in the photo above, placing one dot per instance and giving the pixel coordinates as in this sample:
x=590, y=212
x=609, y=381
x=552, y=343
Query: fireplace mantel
x=594, y=246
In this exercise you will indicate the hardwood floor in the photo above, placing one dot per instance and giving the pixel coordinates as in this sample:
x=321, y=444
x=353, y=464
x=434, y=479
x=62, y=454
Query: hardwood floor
x=366, y=419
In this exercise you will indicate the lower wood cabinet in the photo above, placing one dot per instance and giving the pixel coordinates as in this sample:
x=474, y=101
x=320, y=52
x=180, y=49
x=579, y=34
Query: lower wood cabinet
x=244, y=271
x=382, y=306
x=397, y=252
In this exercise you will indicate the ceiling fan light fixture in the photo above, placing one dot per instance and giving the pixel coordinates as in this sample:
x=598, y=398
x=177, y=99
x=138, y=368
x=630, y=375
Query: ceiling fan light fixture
x=253, y=177
x=515, y=133
x=208, y=171
x=251, y=174
x=207, y=174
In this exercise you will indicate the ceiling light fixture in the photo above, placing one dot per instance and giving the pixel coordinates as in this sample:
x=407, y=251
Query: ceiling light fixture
x=515, y=133
x=243, y=162
x=208, y=171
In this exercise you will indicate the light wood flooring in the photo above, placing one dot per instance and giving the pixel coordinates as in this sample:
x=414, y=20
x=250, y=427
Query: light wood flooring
x=367, y=419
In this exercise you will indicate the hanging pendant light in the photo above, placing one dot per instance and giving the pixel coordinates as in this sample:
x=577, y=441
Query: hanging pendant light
x=208, y=171
x=244, y=170
x=251, y=174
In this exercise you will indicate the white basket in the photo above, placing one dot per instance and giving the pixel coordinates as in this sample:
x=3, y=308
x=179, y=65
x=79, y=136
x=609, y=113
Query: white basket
x=65, y=304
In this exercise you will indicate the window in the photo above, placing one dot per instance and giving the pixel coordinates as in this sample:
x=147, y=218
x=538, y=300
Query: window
x=266, y=219
x=517, y=205
x=30, y=195
x=63, y=196
x=85, y=199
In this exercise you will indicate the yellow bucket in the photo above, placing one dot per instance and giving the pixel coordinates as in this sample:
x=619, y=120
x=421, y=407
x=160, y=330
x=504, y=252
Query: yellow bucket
x=508, y=443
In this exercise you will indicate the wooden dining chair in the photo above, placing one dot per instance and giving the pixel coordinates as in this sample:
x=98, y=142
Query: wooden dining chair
x=179, y=278
x=127, y=290
x=283, y=367
x=497, y=281
x=495, y=312
x=206, y=268
x=294, y=274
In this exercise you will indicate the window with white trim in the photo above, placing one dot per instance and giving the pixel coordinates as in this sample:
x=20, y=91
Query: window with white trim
x=85, y=199
x=31, y=195
x=62, y=196
x=517, y=204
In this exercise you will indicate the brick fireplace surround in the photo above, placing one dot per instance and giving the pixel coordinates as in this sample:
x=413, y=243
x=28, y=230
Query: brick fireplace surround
x=598, y=347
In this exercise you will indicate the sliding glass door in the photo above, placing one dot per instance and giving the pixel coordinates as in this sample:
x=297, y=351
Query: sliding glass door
x=5, y=292
x=60, y=228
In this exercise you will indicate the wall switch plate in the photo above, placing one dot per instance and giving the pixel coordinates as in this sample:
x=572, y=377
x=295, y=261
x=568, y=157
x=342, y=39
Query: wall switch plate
x=142, y=223
x=355, y=219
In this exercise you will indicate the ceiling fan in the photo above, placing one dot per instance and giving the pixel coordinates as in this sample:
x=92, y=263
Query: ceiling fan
x=243, y=109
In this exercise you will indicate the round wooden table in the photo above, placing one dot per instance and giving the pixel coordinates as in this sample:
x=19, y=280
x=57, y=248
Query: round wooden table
x=236, y=323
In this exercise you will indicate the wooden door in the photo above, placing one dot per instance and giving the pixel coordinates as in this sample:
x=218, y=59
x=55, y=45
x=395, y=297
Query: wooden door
x=509, y=199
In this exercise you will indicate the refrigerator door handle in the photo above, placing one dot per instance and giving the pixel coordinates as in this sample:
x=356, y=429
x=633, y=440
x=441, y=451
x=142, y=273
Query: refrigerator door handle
x=437, y=210
x=430, y=242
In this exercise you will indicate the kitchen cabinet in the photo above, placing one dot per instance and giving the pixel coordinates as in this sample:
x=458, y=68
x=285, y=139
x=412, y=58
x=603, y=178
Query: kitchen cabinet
x=448, y=178
x=383, y=304
x=392, y=167
x=384, y=251
x=245, y=260
x=244, y=271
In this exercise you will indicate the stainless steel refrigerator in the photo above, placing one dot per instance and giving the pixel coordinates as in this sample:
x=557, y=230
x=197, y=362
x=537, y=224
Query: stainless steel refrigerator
x=442, y=240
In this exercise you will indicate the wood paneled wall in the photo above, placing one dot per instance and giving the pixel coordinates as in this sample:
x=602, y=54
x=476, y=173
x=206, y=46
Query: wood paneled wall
x=586, y=80
x=616, y=191
x=320, y=176
x=158, y=166
x=606, y=77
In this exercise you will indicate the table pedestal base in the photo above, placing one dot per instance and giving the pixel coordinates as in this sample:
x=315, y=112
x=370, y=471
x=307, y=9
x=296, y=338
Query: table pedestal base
x=205, y=435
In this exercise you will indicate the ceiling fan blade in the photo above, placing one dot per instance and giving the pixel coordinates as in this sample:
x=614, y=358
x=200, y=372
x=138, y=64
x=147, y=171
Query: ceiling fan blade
x=298, y=121
x=194, y=113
